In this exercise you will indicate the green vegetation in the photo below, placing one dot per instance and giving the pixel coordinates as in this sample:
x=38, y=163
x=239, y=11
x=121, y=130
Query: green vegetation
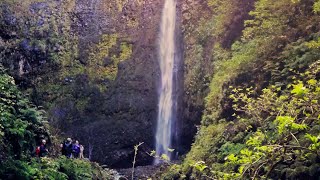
x=287, y=125
x=47, y=168
x=266, y=127
x=39, y=47
x=264, y=31
x=39, y=52
x=35, y=34
x=253, y=66
x=20, y=122
x=316, y=7
x=102, y=64
x=21, y=129
x=282, y=140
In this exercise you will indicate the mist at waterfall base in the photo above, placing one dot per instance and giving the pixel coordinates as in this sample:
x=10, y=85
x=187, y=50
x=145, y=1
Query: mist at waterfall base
x=167, y=101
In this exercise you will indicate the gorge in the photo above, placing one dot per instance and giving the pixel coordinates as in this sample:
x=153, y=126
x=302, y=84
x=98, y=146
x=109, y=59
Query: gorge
x=229, y=89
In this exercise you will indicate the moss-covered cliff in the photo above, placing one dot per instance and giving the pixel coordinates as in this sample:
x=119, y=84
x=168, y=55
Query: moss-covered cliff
x=208, y=27
x=86, y=62
x=268, y=60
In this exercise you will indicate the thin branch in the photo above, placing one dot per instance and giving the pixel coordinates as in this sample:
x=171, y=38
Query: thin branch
x=256, y=171
x=134, y=158
x=245, y=170
x=273, y=166
x=295, y=138
x=208, y=176
x=297, y=147
x=291, y=147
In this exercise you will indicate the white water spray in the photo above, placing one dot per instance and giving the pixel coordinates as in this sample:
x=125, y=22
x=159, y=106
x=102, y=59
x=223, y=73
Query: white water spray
x=167, y=53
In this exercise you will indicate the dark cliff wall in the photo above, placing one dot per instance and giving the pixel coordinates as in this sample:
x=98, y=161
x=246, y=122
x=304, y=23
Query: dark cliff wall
x=125, y=114
x=92, y=65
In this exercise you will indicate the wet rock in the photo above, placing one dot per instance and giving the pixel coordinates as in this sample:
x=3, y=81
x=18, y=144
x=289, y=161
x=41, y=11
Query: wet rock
x=107, y=61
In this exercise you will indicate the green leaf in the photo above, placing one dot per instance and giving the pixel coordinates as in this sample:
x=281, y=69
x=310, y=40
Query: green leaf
x=313, y=139
x=312, y=82
x=170, y=150
x=153, y=153
x=165, y=157
x=299, y=90
x=316, y=6
x=200, y=166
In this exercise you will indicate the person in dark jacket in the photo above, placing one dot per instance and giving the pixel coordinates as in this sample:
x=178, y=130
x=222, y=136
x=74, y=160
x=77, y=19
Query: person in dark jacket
x=76, y=149
x=66, y=148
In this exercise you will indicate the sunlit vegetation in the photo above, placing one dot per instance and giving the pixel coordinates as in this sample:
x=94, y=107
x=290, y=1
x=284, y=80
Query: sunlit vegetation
x=272, y=127
x=102, y=63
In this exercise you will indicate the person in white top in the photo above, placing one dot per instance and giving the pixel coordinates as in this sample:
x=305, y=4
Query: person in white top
x=81, y=152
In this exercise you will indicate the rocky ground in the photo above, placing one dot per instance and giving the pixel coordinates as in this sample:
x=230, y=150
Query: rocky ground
x=142, y=172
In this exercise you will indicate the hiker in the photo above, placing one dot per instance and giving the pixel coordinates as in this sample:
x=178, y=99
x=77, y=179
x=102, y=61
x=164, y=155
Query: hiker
x=81, y=151
x=76, y=149
x=66, y=148
x=42, y=150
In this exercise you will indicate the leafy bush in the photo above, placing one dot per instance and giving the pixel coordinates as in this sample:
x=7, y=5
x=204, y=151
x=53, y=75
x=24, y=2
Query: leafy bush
x=76, y=169
x=288, y=132
x=52, y=169
x=280, y=40
x=283, y=141
x=20, y=123
x=21, y=126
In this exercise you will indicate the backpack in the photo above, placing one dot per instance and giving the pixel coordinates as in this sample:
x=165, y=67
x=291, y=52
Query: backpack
x=66, y=149
x=38, y=150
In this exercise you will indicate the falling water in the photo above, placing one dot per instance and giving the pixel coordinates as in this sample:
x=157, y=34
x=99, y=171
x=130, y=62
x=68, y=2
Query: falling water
x=167, y=53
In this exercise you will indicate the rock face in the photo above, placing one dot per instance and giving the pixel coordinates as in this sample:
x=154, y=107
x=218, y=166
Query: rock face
x=129, y=106
x=127, y=109
x=197, y=67
x=93, y=66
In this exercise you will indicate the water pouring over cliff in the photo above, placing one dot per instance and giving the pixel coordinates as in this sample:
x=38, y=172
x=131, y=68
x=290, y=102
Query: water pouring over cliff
x=167, y=55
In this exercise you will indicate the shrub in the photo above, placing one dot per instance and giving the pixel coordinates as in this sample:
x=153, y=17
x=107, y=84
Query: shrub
x=52, y=169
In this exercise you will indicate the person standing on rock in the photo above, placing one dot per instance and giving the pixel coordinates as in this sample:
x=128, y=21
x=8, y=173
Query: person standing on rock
x=81, y=151
x=66, y=148
x=76, y=149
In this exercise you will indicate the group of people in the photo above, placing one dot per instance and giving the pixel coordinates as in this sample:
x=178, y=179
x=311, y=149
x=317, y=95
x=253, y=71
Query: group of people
x=72, y=150
x=68, y=148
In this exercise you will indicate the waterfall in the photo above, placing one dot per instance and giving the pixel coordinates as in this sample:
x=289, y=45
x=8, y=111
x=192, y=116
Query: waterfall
x=167, y=54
